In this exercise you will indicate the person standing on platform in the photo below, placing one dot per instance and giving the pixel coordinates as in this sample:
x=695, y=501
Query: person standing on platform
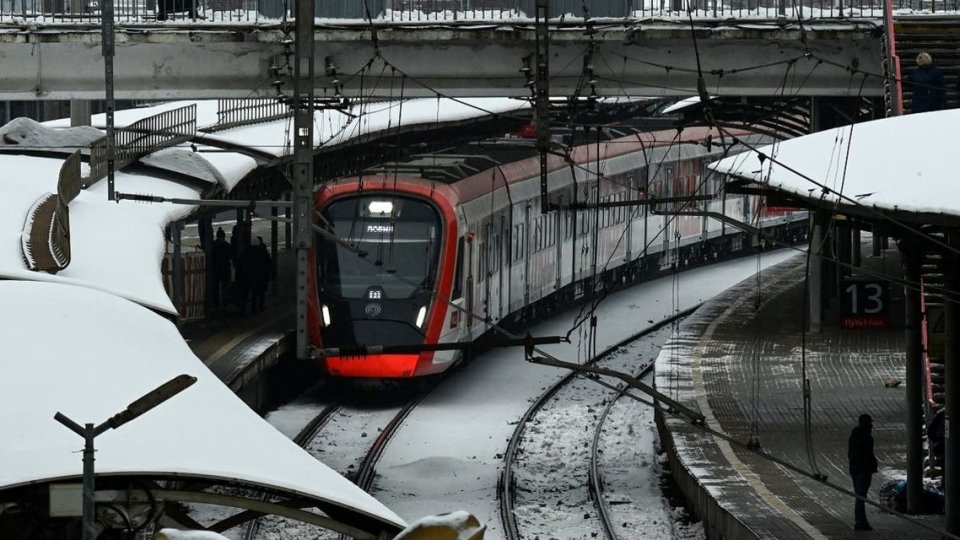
x=863, y=463
x=260, y=273
x=221, y=268
x=928, y=86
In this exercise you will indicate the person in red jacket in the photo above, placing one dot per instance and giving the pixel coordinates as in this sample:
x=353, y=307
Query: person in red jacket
x=863, y=463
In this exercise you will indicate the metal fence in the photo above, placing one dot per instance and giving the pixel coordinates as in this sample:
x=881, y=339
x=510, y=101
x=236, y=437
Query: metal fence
x=142, y=138
x=413, y=11
x=243, y=112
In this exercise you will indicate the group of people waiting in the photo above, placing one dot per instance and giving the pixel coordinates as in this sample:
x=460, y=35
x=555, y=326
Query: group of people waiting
x=251, y=267
x=928, y=86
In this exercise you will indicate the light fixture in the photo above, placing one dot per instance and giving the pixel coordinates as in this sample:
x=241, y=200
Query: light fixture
x=421, y=315
x=325, y=311
x=380, y=207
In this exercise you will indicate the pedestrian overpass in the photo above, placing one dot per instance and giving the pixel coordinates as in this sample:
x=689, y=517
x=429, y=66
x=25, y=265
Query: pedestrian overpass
x=51, y=49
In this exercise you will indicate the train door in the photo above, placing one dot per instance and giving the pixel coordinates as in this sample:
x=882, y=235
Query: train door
x=487, y=265
x=505, y=242
x=667, y=187
x=525, y=254
x=470, y=281
x=558, y=238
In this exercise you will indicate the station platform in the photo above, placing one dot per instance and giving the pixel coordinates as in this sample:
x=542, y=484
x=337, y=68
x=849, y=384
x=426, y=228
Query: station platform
x=238, y=347
x=738, y=360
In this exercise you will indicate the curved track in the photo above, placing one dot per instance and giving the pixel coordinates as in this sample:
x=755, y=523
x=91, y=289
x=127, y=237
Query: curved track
x=302, y=438
x=595, y=478
x=367, y=471
x=506, y=487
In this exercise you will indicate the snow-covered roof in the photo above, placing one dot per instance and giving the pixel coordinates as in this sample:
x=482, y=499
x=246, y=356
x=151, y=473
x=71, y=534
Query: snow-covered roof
x=331, y=127
x=88, y=354
x=900, y=163
x=683, y=104
x=115, y=248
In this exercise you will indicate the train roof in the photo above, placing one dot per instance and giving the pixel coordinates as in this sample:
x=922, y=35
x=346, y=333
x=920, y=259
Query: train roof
x=893, y=165
x=467, y=168
x=457, y=162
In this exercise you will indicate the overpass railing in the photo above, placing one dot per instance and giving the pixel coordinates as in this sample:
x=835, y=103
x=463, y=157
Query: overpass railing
x=340, y=11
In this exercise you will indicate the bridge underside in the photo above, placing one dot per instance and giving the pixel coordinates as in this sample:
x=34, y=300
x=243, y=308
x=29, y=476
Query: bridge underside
x=637, y=60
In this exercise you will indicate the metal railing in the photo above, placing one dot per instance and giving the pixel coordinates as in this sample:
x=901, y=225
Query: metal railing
x=427, y=11
x=141, y=138
x=243, y=112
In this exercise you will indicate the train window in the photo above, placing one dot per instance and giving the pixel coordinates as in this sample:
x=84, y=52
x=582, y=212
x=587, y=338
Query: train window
x=458, y=275
x=482, y=263
x=402, y=243
x=518, y=238
x=538, y=235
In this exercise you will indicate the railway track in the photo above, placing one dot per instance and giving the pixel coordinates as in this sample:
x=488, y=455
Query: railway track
x=508, y=486
x=302, y=438
x=340, y=449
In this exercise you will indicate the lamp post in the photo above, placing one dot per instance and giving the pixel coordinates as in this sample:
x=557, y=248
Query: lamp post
x=88, y=431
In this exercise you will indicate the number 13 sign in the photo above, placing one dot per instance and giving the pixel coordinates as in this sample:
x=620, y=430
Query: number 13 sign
x=863, y=304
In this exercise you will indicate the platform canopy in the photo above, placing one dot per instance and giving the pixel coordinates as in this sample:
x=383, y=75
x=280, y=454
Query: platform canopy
x=900, y=167
x=88, y=354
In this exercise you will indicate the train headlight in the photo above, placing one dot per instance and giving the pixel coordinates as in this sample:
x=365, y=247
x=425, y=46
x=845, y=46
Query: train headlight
x=325, y=312
x=380, y=207
x=421, y=316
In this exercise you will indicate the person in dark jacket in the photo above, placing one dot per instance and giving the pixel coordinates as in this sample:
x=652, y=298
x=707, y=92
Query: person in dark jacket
x=863, y=463
x=260, y=273
x=221, y=268
x=927, y=84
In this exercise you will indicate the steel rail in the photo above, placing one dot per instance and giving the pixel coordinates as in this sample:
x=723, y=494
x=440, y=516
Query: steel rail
x=505, y=485
x=367, y=470
x=595, y=480
x=302, y=438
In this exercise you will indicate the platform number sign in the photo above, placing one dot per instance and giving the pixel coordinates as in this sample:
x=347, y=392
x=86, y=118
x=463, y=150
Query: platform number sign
x=863, y=304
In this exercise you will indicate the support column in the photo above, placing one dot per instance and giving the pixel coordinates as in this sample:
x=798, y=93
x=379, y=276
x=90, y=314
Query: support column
x=855, y=247
x=274, y=238
x=303, y=162
x=205, y=231
x=914, y=375
x=176, y=230
x=79, y=112
x=844, y=252
x=830, y=274
x=815, y=284
x=287, y=225
x=951, y=458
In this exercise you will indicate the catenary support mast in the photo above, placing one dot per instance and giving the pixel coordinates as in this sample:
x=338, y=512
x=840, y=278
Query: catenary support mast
x=303, y=162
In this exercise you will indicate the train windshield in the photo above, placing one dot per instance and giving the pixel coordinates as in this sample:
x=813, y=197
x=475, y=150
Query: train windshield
x=401, y=239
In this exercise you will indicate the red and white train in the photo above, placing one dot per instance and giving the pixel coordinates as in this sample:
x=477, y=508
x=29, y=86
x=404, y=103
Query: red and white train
x=463, y=227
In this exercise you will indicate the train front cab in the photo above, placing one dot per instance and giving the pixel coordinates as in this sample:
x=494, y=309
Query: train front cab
x=395, y=295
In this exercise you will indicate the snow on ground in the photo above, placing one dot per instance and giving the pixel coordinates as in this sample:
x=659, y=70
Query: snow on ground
x=448, y=454
x=552, y=471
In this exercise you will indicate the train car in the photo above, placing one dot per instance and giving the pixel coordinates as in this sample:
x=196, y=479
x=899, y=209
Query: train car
x=438, y=247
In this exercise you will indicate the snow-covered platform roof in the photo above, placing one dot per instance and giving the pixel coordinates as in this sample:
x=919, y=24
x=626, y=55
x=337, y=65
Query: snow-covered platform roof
x=332, y=127
x=87, y=354
x=900, y=166
x=116, y=248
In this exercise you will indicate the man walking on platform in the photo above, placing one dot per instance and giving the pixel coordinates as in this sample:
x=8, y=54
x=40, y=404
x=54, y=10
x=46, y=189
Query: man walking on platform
x=863, y=463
